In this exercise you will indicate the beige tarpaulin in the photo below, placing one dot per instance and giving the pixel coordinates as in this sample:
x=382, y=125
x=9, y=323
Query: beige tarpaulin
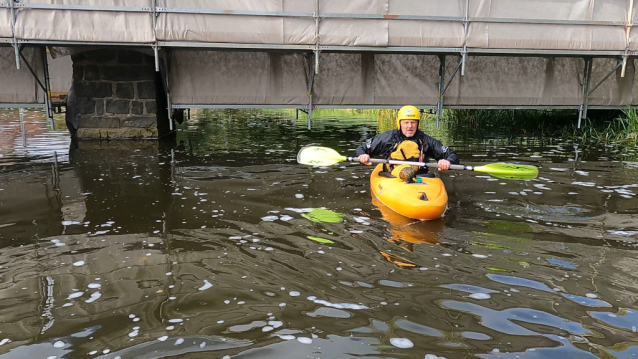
x=61, y=73
x=19, y=86
x=5, y=23
x=87, y=26
x=201, y=77
x=548, y=36
x=349, y=79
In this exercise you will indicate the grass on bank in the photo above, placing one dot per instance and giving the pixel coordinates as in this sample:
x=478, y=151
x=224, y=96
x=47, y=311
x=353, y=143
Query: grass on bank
x=621, y=130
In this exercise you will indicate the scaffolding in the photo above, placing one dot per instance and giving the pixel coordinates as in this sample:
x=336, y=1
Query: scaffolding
x=519, y=54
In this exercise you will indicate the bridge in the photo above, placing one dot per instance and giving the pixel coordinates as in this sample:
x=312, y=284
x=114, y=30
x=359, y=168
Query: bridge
x=136, y=63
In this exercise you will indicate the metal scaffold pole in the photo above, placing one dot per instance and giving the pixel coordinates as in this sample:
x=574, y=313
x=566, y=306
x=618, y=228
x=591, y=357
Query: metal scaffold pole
x=582, y=113
x=439, y=105
x=16, y=46
x=47, y=85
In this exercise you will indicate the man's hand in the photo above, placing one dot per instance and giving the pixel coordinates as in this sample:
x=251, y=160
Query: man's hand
x=365, y=159
x=444, y=165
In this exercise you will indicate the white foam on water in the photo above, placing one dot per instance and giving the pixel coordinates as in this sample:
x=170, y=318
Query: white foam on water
x=286, y=336
x=304, y=340
x=294, y=293
x=94, y=285
x=480, y=296
x=299, y=195
x=432, y=356
x=269, y=218
x=161, y=339
x=206, y=285
x=339, y=305
x=275, y=323
x=479, y=255
x=78, y=264
x=285, y=218
x=591, y=295
x=401, y=342
x=95, y=296
x=75, y=295
x=267, y=328
x=175, y=320
x=59, y=344
x=179, y=341
x=585, y=184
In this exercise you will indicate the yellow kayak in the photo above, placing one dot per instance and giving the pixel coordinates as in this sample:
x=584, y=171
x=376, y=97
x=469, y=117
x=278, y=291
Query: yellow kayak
x=426, y=200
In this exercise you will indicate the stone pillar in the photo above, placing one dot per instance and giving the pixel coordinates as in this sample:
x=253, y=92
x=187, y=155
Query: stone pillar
x=117, y=95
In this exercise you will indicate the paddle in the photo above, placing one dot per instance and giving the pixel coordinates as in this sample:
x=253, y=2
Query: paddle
x=324, y=156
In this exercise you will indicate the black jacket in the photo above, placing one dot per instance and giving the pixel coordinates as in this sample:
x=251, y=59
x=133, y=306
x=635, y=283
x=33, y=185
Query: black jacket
x=383, y=144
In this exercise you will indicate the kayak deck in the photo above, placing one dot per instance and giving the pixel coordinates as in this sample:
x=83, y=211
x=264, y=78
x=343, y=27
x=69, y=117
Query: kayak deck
x=426, y=200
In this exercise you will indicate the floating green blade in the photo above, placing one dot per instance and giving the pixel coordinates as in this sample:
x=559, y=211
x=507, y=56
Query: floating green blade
x=319, y=156
x=323, y=215
x=321, y=240
x=509, y=171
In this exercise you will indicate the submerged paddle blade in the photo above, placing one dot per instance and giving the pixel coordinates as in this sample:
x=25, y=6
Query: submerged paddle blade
x=509, y=171
x=323, y=215
x=319, y=156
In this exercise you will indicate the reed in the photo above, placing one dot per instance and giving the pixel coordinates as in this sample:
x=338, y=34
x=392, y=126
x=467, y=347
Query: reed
x=622, y=130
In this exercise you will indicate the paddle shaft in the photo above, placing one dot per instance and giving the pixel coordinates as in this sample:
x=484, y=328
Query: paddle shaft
x=420, y=164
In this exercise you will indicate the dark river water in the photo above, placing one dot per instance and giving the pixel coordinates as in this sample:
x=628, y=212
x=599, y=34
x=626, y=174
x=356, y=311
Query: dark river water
x=217, y=244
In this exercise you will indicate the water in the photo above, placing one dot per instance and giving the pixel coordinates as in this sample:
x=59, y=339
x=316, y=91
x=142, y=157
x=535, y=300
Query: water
x=220, y=245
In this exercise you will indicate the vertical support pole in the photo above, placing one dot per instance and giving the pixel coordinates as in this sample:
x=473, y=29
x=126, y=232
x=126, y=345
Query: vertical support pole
x=311, y=80
x=164, y=75
x=628, y=26
x=317, y=37
x=466, y=25
x=582, y=112
x=47, y=86
x=16, y=46
x=586, y=100
x=624, y=64
x=155, y=48
x=296, y=114
x=439, y=105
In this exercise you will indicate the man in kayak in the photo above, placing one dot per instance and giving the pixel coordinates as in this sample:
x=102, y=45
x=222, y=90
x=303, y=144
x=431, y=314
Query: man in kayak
x=406, y=143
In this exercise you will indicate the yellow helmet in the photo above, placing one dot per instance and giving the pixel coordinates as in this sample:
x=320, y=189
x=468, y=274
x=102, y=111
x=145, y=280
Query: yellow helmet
x=408, y=113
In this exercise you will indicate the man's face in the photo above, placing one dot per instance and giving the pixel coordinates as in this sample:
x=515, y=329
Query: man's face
x=409, y=127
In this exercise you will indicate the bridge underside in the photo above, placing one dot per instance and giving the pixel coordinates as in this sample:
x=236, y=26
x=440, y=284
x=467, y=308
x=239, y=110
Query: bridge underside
x=337, y=53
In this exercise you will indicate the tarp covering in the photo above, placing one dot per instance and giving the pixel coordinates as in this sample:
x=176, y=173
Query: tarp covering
x=85, y=26
x=61, y=73
x=5, y=23
x=493, y=23
x=201, y=77
x=351, y=79
x=548, y=36
x=19, y=86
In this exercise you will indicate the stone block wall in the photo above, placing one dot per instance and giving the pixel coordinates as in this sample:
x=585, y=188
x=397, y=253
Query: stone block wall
x=117, y=96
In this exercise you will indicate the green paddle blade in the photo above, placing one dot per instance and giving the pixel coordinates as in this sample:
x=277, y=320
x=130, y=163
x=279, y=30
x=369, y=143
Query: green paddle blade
x=320, y=215
x=509, y=171
x=319, y=156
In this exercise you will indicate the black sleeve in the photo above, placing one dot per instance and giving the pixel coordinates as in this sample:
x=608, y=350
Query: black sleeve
x=377, y=146
x=440, y=152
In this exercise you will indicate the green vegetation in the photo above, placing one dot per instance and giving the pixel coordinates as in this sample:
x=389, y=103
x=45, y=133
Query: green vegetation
x=487, y=123
x=620, y=130
x=604, y=127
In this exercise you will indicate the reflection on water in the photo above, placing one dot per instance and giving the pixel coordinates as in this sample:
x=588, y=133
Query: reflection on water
x=219, y=243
